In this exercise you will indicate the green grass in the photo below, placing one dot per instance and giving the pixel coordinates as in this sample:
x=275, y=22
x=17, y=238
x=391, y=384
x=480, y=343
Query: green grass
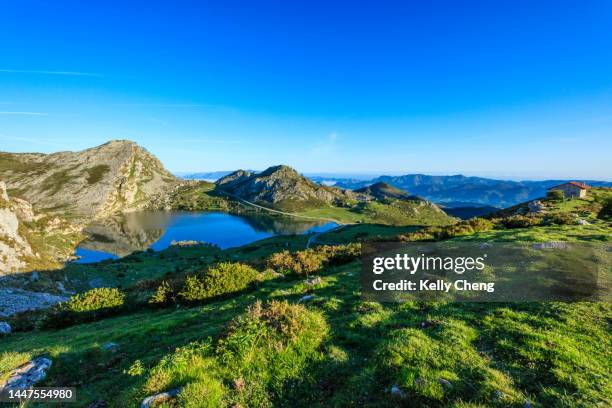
x=337, y=350
x=359, y=232
x=491, y=354
x=394, y=212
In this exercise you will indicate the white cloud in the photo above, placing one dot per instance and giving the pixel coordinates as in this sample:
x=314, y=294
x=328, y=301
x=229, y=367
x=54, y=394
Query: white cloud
x=25, y=113
x=66, y=73
x=325, y=147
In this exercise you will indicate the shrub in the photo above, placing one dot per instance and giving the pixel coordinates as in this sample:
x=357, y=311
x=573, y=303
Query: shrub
x=606, y=211
x=555, y=195
x=561, y=219
x=222, y=279
x=96, y=299
x=313, y=259
x=436, y=233
x=85, y=307
x=520, y=221
x=162, y=294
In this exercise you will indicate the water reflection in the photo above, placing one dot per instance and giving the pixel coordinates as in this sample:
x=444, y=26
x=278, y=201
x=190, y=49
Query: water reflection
x=121, y=235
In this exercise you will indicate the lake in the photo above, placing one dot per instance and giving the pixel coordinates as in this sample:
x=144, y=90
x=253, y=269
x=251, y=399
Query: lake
x=119, y=236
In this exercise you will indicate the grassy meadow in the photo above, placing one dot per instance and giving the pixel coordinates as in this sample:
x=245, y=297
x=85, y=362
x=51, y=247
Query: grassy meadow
x=266, y=345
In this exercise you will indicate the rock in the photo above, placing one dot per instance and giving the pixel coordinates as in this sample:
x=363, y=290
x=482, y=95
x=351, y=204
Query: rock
x=498, y=395
x=583, y=222
x=429, y=323
x=110, y=346
x=313, y=281
x=13, y=301
x=420, y=382
x=34, y=276
x=3, y=194
x=186, y=243
x=5, y=328
x=397, y=391
x=535, y=206
x=550, y=245
x=306, y=298
x=486, y=245
x=28, y=374
x=158, y=398
x=445, y=383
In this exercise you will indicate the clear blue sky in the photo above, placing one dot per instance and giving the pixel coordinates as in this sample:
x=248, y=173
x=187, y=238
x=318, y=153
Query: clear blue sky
x=494, y=88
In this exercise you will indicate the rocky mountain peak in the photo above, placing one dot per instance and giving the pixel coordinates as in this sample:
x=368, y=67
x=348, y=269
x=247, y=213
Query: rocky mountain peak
x=116, y=176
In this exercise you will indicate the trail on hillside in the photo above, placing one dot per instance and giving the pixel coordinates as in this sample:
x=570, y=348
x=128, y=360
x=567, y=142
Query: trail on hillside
x=286, y=213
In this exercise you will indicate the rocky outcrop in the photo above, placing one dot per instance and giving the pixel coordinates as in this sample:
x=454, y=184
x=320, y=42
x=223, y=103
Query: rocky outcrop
x=14, y=248
x=114, y=177
x=27, y=375
x=13, y=301
x=280, y=184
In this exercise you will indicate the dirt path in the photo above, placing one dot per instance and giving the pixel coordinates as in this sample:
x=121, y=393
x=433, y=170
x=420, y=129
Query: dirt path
x=285, y=213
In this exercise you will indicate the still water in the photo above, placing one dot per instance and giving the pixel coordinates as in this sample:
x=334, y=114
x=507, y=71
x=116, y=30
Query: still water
x=119, y=236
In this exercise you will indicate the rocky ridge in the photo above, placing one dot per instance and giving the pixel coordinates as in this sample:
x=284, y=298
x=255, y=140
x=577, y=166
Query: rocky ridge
x=114, y=177
x=280, y=185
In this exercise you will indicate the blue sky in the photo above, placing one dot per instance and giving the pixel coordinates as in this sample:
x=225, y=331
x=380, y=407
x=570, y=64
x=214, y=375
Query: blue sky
x=508, y=89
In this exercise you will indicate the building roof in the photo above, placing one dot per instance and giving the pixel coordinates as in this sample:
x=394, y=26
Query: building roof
x=582, y=186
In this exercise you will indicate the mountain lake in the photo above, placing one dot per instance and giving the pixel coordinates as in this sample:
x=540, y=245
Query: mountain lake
x=119, y=236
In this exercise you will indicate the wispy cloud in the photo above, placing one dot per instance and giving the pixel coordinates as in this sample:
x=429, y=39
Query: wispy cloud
x=203, y=140
x=171, y=105
x=325, y=147
x=35, y=72
x=35, y=141
x=25, y=113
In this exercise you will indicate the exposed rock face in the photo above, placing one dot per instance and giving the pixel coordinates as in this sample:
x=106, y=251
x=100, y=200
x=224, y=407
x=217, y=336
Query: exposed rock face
x=14, y=248
x=13, y=301
x=116, y=176
x=279, y=184
x=20, y=227
x=27, y=375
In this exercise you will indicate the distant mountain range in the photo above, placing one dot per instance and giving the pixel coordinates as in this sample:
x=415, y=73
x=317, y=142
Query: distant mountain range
x=450, y=191
x=461, y=191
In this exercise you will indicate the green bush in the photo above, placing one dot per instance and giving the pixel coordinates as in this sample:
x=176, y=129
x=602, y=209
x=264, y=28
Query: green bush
x=606, y=211
x=520, y=221
x=96, y=299
x=561, y=219
x=436, y=233
x=85, y=307
x=162, y=295
x=313, y=259
x=222, y=279
x=555, y=195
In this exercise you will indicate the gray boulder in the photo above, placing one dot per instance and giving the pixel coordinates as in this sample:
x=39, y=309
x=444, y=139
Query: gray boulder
x=158, y=398
x=27, y=375
x=5, y=328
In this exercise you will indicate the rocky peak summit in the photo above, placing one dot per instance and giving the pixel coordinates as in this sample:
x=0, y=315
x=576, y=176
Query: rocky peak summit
x=116, y=176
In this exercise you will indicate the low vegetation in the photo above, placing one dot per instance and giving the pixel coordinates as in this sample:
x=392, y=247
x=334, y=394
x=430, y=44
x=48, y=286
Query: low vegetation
x=247, y=336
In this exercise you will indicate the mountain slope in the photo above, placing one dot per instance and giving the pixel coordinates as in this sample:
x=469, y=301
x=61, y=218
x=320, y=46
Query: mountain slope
x=116, y=176
x=383, y=190
x=282, y=187
x=473, y=190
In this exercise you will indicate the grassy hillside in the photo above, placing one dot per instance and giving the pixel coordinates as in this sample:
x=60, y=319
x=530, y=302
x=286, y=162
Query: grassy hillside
x=335, y=349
